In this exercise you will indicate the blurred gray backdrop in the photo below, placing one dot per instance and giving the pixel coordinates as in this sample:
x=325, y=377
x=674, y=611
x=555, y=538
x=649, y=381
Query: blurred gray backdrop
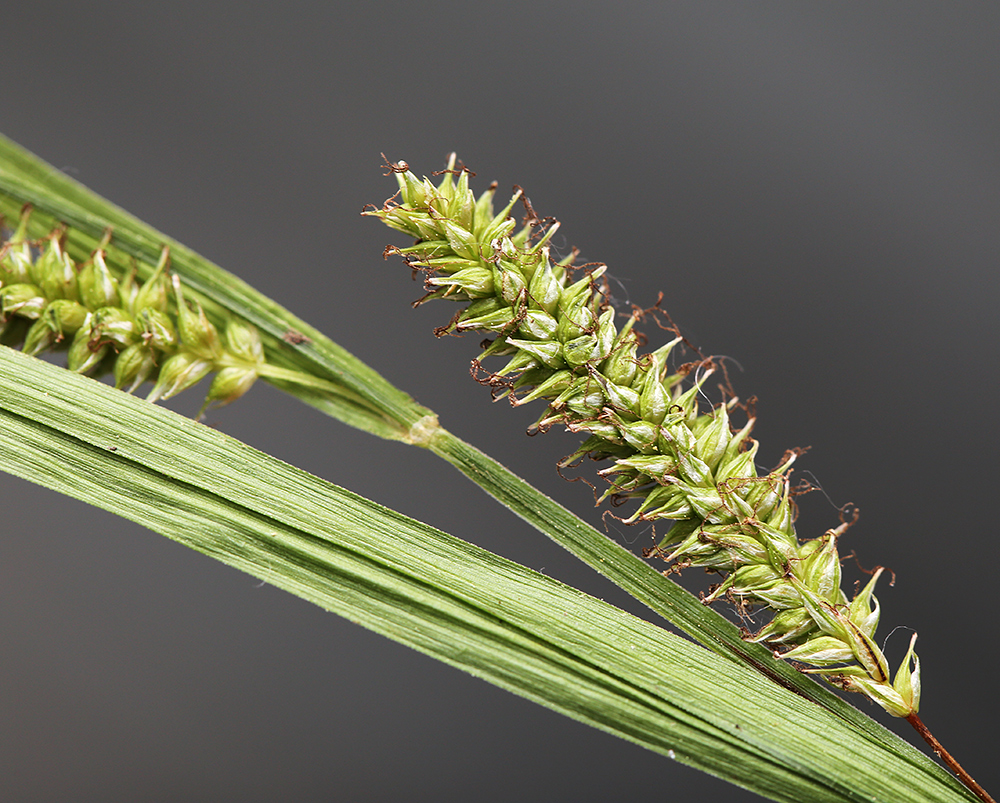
x=814, y=187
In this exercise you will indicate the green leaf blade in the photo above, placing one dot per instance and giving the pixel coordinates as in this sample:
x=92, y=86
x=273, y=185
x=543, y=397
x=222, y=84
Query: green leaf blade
x=477, y=611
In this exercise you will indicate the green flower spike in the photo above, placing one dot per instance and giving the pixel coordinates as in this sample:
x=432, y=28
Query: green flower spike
x=691, y=469
x=139, y=331
x=108, y=321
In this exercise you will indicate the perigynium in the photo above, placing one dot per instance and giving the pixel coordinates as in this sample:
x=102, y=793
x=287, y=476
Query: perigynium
x=109, y=322
x=691, y=469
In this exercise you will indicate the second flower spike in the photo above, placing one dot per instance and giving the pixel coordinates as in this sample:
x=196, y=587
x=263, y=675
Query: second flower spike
x=688, y=469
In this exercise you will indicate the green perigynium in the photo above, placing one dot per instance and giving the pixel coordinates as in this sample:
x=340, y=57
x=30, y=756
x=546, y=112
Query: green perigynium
x=694, y=470
x=109, y=322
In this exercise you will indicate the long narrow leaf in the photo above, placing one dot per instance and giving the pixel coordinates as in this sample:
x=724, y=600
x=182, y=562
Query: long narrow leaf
x=513, y=627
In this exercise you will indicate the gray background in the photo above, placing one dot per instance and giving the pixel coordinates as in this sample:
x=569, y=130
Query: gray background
x=814, y=187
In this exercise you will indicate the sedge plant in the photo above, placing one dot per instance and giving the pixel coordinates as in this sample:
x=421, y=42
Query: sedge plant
x=81, y=275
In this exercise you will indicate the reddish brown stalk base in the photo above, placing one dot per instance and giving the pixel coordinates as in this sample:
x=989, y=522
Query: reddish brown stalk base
x=946, y=757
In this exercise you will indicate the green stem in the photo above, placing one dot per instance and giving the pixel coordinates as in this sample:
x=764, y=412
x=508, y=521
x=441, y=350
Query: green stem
x=294, y=377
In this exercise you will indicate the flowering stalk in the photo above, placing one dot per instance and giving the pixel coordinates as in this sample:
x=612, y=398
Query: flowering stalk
x=109, y=322
x=690, y=468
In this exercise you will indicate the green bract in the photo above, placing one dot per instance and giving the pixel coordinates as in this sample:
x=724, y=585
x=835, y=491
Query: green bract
x=693, y=470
